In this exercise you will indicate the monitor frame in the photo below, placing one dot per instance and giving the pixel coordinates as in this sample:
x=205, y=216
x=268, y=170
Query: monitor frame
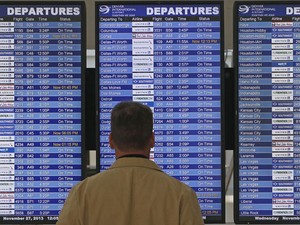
x=212, y=219
x=237, y=217
x=82, y=6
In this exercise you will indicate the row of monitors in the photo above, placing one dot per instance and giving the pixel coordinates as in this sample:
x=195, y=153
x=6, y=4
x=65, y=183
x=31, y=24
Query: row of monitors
x=168, y=56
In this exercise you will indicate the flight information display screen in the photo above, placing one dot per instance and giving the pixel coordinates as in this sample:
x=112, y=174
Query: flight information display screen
x=41, y=64
x=169, y=57
x=268, y=104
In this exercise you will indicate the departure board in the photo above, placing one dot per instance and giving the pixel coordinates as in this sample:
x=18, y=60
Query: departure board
x=41, y=64
x=169, y=57
x=268, y=140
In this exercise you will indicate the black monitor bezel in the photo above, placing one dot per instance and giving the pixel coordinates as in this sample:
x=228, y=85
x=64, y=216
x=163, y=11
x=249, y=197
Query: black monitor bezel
x=81, y=4
x=221, y=4
x=237, y=217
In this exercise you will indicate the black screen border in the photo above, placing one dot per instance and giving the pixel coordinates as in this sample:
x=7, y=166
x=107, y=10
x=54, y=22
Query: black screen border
x=237, y=217
x=212, y=219
x=81, y=4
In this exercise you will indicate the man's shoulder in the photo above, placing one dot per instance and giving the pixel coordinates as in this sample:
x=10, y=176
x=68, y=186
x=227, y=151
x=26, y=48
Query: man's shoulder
x=151, y=174
x=90, y=180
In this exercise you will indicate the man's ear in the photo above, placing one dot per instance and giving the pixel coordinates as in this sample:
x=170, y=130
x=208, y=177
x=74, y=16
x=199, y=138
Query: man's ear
x=111, y=142
x=152, y=140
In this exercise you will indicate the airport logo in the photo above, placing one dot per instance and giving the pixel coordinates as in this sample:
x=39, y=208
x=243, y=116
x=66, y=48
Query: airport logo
x=104, y=9
x=244, y=9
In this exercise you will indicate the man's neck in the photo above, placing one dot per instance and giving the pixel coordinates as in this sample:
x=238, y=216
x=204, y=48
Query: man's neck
x=142, y=154
x=133, y=156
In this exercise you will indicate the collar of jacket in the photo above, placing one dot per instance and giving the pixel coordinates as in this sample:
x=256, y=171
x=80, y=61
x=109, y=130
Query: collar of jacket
x=133, y=155
x=134, y=162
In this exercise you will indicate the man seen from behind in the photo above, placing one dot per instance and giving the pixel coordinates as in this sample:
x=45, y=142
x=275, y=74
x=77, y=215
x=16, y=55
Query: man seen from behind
x=134, y=190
